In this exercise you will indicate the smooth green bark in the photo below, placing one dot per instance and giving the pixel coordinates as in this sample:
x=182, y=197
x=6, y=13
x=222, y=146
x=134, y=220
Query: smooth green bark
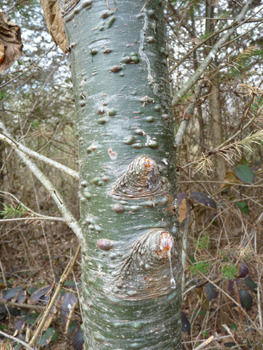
x=127, y=172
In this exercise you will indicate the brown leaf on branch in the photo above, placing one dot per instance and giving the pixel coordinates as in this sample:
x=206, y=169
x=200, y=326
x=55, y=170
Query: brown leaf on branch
x=54, y=22
x=10, y=42
x=230, y=178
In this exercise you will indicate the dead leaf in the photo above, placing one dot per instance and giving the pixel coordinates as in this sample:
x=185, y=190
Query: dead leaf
x=182, y=210
x=10, y=42
x=54, y=22
x=229, y=178
x=2, y=52
x=187, y=116
x=51, y=315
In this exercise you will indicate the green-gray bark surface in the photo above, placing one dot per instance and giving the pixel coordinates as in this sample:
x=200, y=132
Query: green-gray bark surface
x=127, y=175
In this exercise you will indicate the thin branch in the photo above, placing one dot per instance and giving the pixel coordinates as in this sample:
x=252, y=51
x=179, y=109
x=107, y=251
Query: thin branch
x=31, y=67
x=205, y=343
x=31, y=153
x=185, y=241
x=233, y=300
x=55, y=295
x=197, y=47
x=240, y=36
x=217, y=182
x=11, y=8
x=184, y=123
x=237, y=133
x=32, y=212
x=17, y=340
x=67, y=215
x=194, y=78
x=209, y=38
x=229, y=19
x=34, y=218
x=22, y=306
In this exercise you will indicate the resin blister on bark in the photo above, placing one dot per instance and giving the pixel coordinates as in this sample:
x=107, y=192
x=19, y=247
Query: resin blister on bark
x=166, y=245
x=141, y=179
x=146, y=272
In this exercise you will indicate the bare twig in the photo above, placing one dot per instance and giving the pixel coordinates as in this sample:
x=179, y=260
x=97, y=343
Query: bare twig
x=31, y=153
x=197, y=47
x=219, y=182
x=67, y=215
x=205, y=343
x=34, y=218
x=240, y=36
x=212, y=54
x=231, y=335
x=233, y=300
x=32, y=212
x=185, y=242
x=17, y=340
x=22, y=306
x=3, y=272
x=190, y=111
x=55, y=295
x=11, y=8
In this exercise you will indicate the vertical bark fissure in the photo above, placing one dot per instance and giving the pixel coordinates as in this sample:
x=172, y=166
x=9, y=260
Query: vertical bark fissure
x=127, y=176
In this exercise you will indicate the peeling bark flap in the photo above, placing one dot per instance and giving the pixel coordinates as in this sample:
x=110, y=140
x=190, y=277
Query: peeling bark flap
x=10, y=42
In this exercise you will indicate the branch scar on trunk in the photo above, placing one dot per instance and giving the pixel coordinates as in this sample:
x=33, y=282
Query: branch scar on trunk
x=141, y=180
x=147, y=271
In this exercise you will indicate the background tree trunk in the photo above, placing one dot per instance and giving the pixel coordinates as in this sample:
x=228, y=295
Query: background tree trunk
x=217, y=129
x=214, y=100
x=127, y=172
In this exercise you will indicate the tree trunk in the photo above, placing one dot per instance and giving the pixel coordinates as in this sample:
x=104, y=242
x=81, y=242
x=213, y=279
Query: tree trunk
x=214, y=101
x=217, y=129
x=131, y=273
x=2, y=159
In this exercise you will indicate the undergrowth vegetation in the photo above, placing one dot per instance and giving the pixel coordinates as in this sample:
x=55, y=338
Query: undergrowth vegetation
x=220, y=188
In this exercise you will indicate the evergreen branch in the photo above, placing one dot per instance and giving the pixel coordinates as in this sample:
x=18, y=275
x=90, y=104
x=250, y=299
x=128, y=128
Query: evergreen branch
x=28, y=210
x=10, y=211
x=215, y=49
x=227, y=152
x=4, y=137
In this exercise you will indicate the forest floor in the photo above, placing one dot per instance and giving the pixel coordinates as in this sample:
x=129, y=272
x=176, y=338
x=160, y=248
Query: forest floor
x=222, y=304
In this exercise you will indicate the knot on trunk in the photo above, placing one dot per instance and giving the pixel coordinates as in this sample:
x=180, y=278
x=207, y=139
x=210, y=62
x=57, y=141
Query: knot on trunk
x=142, y=179
x=147, y=270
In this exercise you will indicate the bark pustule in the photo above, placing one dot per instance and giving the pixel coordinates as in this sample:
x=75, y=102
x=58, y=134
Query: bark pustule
x=127, y=171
